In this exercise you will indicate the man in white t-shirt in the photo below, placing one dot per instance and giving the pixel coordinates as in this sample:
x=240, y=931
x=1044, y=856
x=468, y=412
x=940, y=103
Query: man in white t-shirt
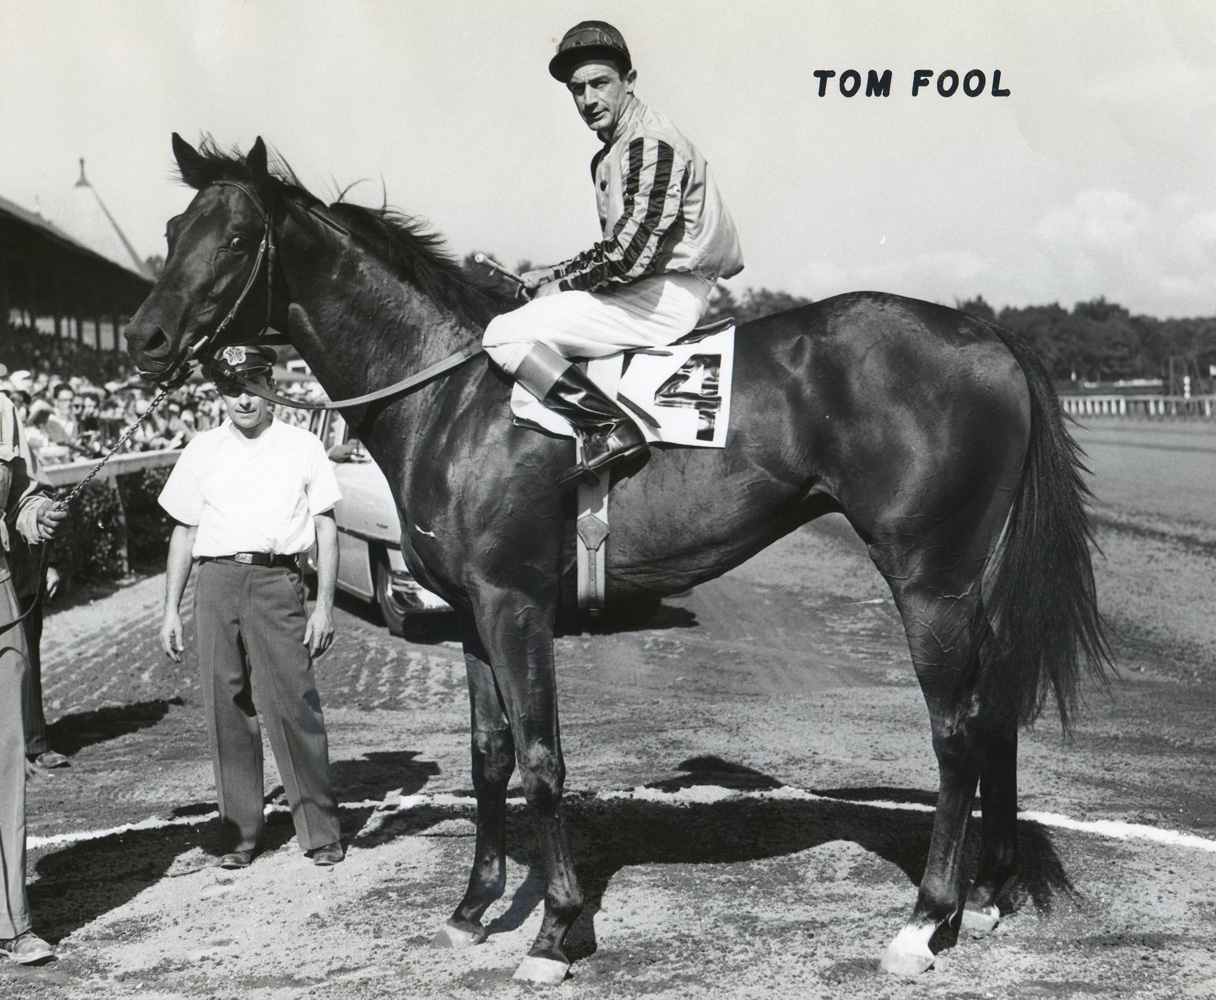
x=250, y=497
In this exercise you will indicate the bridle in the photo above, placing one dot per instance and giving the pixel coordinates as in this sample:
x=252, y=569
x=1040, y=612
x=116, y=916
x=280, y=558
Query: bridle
x=268, y=254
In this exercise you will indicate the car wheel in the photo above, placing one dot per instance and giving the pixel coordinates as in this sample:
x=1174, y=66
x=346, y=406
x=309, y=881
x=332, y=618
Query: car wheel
x=391, y=608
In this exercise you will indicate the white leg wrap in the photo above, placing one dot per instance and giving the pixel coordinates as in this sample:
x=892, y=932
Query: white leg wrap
x=981, y=920
x=909, y=954
x=449, y=936
x=546, y=971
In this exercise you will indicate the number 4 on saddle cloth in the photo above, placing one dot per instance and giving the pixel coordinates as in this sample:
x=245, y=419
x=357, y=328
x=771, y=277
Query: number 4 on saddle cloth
x=684, y=390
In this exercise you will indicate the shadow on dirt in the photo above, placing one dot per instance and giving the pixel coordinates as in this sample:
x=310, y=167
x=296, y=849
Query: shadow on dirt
x=633, y=616
x=608, y=835
x=73, y=733
x=78, y=883
x=430, y=629
x=622, y=616
x=378, y=773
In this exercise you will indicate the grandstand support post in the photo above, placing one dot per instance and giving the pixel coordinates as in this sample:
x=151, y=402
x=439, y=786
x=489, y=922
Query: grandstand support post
x=59, y=309
x=6, y=310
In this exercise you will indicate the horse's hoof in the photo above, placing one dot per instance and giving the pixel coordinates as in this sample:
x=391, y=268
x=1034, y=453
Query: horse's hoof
x=982, y=920
x=903, y=963
x=451, y=936
x=545, y=971
x=908, y=954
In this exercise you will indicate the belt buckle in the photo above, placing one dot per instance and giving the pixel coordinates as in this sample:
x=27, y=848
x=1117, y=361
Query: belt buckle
x=244, y=557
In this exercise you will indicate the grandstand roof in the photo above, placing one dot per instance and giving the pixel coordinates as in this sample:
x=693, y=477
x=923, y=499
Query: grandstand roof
x=85, y=218
x=46, y=272
x=37, y=221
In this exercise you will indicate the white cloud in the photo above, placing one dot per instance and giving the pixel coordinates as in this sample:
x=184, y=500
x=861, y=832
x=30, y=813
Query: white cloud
x=1156, y=257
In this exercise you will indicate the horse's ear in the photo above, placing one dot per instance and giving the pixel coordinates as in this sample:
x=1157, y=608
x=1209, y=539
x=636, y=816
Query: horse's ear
x=256, y=162
x=190, y=162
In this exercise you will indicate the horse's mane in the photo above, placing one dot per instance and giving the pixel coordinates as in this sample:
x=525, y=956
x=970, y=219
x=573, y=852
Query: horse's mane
x=409, y=249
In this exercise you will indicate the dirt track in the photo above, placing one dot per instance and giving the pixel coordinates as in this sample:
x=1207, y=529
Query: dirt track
x=787, y=682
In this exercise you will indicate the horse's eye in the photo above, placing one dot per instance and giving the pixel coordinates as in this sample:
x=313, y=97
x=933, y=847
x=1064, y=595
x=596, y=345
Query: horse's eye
x=238, y=244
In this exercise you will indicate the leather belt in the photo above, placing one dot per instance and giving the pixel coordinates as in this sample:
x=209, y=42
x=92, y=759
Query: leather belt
x=256, y=559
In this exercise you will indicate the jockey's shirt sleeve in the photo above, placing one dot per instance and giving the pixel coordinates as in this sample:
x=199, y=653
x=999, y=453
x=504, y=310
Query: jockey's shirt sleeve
x=653, y=175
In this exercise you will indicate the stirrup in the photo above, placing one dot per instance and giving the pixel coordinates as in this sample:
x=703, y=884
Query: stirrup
x=578, y=475
x=584, y=473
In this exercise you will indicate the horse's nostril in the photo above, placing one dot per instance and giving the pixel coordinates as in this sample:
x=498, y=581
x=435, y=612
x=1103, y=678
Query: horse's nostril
x=157, y=343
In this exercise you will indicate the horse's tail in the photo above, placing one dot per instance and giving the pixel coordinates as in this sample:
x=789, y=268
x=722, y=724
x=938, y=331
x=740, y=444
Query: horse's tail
x=1045, y=627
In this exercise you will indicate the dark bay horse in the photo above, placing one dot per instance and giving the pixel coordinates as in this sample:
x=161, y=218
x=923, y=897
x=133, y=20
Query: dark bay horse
x=936, y=434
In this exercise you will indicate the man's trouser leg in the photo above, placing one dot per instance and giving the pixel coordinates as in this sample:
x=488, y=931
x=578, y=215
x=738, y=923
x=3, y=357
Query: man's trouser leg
x=232, y=723
x=15, y=917
x=31, y=690
x=273, y=623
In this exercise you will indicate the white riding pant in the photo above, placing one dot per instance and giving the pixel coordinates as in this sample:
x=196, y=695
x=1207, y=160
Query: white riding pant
x=651, y=312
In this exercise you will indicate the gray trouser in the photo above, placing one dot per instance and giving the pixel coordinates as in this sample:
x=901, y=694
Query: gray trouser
x=15, y=916
x=250, y=622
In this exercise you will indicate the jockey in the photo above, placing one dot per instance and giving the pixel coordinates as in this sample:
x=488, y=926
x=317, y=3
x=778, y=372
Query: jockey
x=667, y=237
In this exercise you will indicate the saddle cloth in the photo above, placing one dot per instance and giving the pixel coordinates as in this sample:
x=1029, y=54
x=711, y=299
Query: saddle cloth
x=683, y=388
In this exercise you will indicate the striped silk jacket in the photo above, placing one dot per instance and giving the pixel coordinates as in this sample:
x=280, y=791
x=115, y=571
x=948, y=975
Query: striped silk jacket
x=659, y=209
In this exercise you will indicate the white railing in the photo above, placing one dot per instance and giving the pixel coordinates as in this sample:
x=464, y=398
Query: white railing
x=1120, y=405
x=70, y=473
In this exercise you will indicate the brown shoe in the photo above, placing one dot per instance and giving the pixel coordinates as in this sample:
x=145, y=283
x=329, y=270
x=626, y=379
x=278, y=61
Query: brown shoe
x=328, y=855
x=237, y=859
x=50, y=759
x=26, y=948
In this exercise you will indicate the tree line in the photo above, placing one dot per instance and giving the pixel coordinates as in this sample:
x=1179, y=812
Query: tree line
x=1101, y=341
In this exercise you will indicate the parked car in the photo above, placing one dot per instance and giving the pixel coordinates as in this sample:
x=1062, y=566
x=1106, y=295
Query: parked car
x=370, y=566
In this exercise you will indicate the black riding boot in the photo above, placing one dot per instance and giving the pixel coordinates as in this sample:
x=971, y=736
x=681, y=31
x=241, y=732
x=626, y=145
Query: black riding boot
x=608, y=434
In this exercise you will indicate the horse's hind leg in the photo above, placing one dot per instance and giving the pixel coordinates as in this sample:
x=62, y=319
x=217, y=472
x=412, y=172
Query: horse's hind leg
x=998, y=850
x=939, y=625
x=493, y=761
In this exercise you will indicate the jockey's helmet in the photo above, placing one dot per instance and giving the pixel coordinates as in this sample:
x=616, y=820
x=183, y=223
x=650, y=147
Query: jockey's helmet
x=586, y=41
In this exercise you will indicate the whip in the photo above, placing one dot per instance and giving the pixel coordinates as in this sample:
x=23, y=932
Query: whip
x=493, y=265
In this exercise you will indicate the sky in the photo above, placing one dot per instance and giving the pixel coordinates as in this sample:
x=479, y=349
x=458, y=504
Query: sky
x=1092, y=177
